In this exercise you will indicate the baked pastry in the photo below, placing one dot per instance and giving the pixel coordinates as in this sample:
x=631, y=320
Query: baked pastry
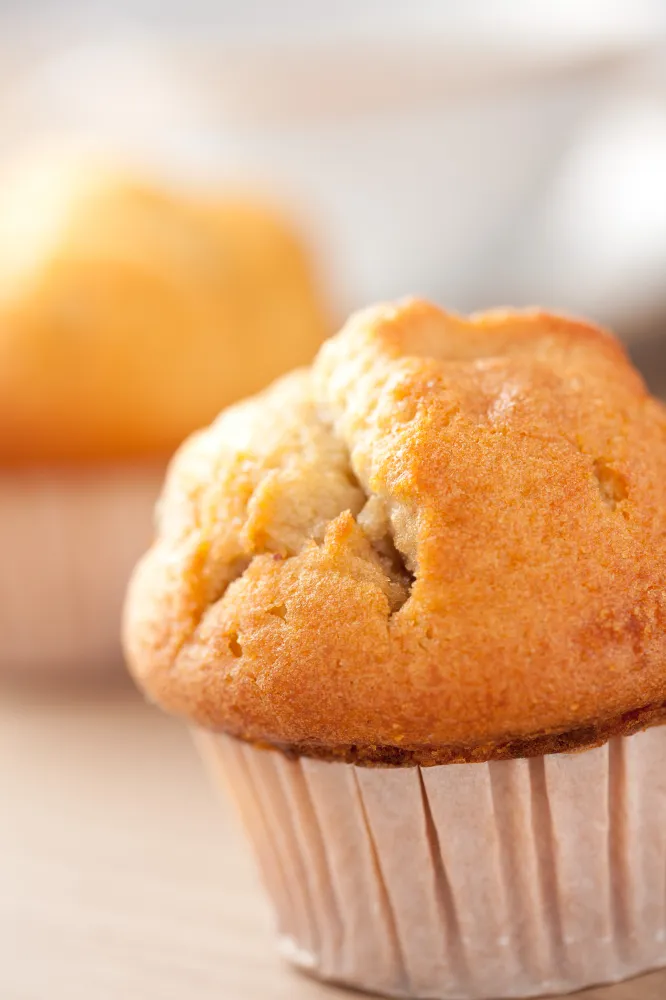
x=128, y=315
x=443, y=545
x=131, y=314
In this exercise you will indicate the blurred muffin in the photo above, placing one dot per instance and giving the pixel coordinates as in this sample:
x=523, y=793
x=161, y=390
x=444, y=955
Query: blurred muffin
x=439, y=553
x=128, y=315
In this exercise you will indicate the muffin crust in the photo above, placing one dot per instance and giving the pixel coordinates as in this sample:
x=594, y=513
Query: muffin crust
x=444, y=542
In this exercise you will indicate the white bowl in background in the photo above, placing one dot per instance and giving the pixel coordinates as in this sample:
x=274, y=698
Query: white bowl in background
x=421, y=146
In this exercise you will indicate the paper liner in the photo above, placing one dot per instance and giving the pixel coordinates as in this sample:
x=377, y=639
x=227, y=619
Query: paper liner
x=69, y=540
x=508, y=879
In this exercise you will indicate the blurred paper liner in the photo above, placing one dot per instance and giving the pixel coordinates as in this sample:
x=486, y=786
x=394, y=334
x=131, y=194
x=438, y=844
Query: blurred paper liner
x=69, y=540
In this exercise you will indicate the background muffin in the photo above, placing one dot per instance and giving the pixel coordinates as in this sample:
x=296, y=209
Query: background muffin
x=443, y=543
x=128, y=315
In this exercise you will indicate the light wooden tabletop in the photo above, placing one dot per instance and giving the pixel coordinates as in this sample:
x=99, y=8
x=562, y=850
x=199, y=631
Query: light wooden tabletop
x=121, y=874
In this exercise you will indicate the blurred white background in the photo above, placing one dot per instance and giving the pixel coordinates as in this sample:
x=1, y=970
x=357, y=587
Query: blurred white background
x=506, y=151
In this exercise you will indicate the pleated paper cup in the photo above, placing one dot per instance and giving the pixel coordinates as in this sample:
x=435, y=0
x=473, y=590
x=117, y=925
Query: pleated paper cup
x=69, y=539
x=507, y=879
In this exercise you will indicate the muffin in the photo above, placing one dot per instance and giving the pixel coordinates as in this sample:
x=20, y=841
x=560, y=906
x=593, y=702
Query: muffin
x=129, y=315
x=413, y=602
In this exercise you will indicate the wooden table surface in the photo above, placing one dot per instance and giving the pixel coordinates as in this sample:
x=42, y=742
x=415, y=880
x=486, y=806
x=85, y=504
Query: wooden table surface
x=122, y=877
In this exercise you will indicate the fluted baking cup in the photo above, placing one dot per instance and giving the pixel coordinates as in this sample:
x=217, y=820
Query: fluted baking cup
x=505, y=879
x=69, y=539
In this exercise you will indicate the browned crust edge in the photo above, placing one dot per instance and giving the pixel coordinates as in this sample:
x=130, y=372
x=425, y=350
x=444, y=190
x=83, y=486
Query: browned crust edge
x=538, y=745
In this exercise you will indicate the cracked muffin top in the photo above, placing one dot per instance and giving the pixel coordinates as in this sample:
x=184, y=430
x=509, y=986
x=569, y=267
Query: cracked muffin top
x=129, y=314
x=446, y=541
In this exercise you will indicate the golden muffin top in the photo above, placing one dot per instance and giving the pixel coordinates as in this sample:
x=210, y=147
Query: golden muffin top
x=130, y=315
x=445, y=541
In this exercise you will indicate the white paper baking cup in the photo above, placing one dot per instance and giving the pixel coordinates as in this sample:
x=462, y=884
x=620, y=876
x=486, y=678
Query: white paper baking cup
x=508, y=879
x=69, y=540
